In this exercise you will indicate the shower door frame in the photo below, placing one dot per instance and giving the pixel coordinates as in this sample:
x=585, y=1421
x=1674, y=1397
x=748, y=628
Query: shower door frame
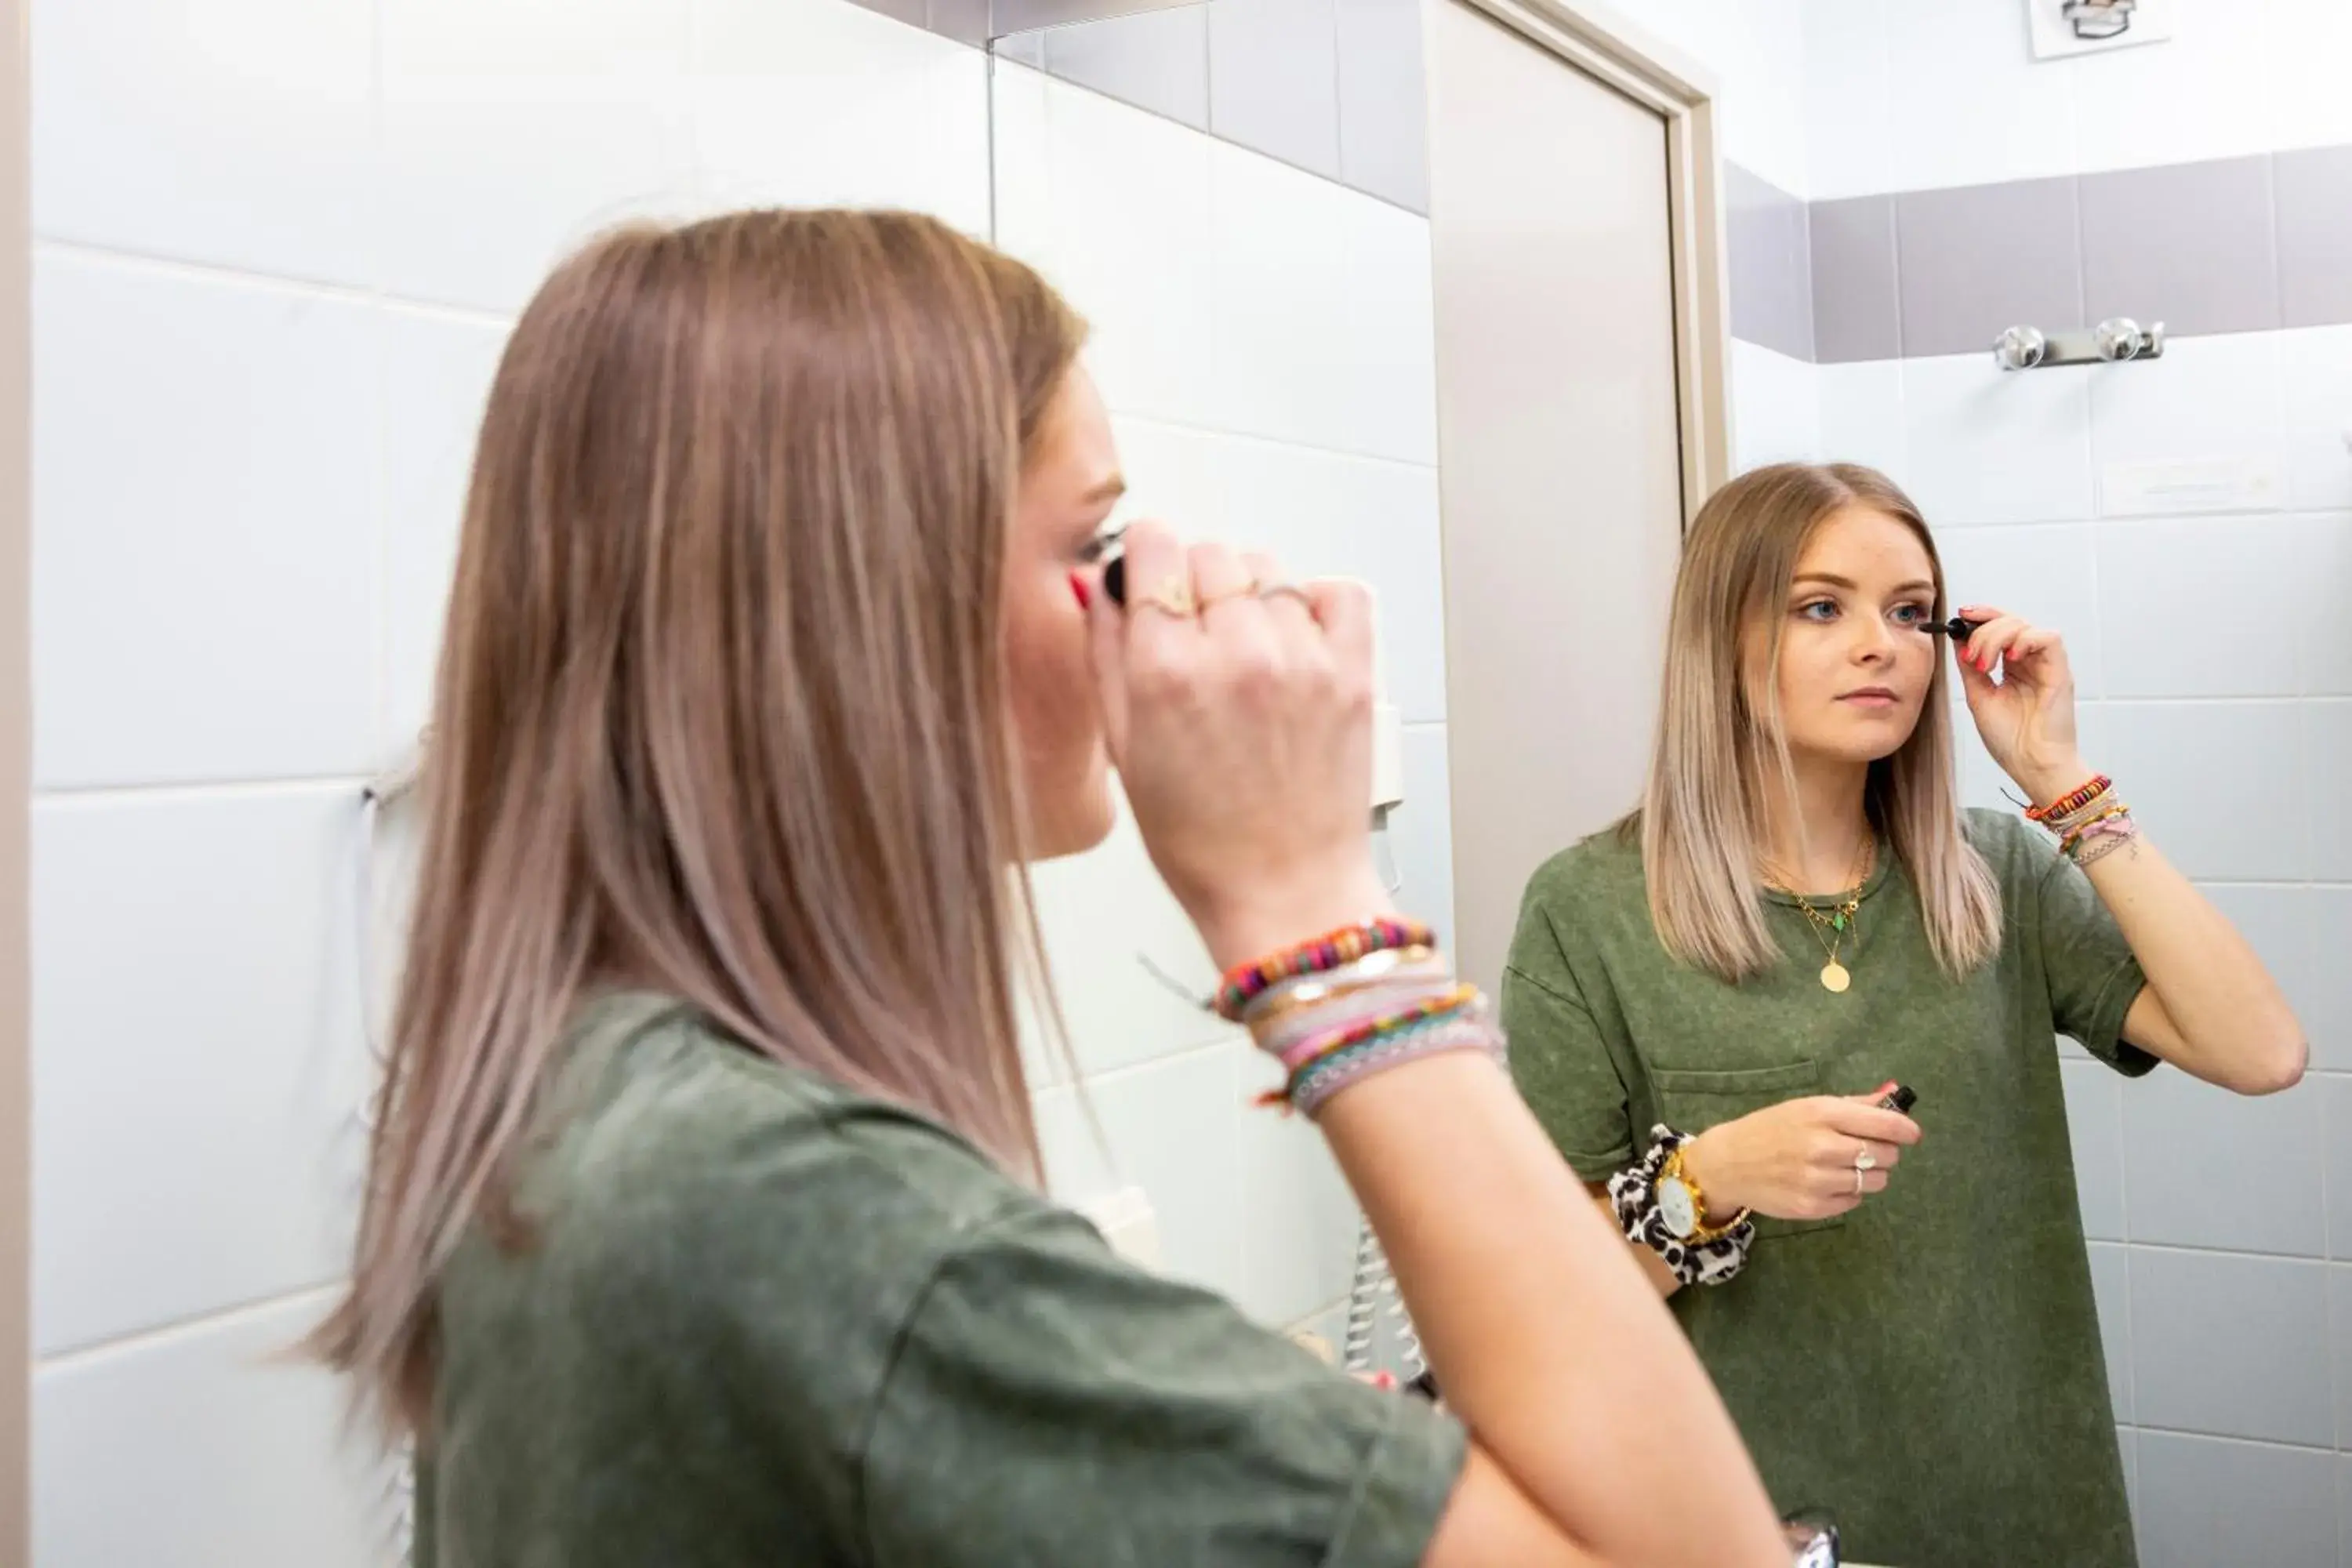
x=1598, y=39
x=16, y=778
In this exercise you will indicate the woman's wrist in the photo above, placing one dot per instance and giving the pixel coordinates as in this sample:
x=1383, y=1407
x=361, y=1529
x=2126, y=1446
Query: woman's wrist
x=1702, y=1163
x=2047, y=782
x=1259, y=925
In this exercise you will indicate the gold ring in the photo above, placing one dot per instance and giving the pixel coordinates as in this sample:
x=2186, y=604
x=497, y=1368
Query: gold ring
x=1273, y=590
x=1246, y=591
x=1174, y=597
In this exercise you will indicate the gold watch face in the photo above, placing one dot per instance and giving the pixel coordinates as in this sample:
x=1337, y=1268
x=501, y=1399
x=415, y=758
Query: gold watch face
x=1675, y=1206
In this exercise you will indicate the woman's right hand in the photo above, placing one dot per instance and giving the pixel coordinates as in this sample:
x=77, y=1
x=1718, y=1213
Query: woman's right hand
x=1796, y=1160
x=1243, y=736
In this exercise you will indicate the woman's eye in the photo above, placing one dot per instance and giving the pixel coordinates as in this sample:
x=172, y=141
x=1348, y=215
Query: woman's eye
x=1101, y=546
x=1910, y=615
x=1819, y=610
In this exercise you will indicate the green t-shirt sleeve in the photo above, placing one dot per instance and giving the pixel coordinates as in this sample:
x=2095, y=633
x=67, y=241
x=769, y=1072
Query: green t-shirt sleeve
x=2092, y=974
x=1559, y=1059
x=1047, y=1404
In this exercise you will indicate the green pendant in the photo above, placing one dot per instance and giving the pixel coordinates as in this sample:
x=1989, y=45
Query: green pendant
x=1839, y=924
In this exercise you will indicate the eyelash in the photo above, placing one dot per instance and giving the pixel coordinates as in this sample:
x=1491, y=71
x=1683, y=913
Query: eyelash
x=1102, y=546
x=1918, y=611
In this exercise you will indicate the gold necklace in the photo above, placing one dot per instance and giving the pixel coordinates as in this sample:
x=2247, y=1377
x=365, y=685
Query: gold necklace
x=1832, y=925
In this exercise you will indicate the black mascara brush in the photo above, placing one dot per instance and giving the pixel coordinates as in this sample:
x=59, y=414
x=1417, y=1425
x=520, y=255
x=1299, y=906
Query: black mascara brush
x=1955, y=627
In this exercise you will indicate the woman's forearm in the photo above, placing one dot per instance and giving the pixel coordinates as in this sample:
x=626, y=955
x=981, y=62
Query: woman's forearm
x=1663, y=1278
x=2221, y=1015
x=1549, y=1341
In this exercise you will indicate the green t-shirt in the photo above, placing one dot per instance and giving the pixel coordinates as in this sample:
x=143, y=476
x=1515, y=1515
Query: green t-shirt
x=769, y=1322
x=1928, y=1368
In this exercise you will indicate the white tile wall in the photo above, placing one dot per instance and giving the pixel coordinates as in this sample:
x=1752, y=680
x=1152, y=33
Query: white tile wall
x=2205, y=1501
x=2111, y=1289
x=2226, y=1344
x=1775, y=407
x=1862, y=416
x=2095, y=1112
x=1113, y=204
x=2309, y=40
x=2210, y=92
x=820, y=105
x=1985, y=446
x=470, y=208
x=1321, y=330
x=2183, y=1144
x=204, y=1450
x=436, y=376
x=221, y=134
x=206, y=494
x=1968, y=106
x=1908, y=97
x=197, y=1054
x=1175, y=1129
x=2209, y=400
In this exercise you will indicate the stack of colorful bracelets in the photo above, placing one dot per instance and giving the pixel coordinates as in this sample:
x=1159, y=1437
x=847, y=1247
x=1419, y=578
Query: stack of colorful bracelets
x=2090, y=823
x=1353, y=1003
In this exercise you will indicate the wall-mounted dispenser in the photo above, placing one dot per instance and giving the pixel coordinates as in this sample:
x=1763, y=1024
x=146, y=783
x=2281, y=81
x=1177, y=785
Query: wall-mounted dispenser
x=2061, y=28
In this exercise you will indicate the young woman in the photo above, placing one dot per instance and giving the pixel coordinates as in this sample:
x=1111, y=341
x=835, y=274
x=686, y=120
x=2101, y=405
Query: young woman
x=702, y=1227
x=1799, y=919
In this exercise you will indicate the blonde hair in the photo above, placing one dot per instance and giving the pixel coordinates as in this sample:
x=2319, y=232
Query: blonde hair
x=720, y=709
x=1722, y=755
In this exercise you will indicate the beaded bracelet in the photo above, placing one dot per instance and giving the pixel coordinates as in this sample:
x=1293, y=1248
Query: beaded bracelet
x=1397, y=1018
x=2072, y=802
x=2076, y=831
x=1329, y=1076
x=2114, y=830
x=1305, y=992
x=1245, y=983
x=1332, y=1060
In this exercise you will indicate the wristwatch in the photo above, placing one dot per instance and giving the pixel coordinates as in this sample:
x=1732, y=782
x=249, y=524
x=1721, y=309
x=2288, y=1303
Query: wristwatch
x=1683, y=1205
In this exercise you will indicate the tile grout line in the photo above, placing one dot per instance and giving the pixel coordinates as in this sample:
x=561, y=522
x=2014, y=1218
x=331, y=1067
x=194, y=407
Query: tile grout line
x=221, y=275
x=181, y=1328
x=198, y=790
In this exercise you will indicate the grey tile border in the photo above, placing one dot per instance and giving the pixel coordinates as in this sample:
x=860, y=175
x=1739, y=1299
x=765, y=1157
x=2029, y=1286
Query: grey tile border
x=965, y=21
x=1771, y=271
x=2230, y=245
x=2224, y=245
x=1274, y=78
x=1156, y=60
x=1383, y=101
x=2314, y=191
x=2194, y=246
x=1010, y=16
x=1857, y=314
x=1973, y=260
x=913, y=13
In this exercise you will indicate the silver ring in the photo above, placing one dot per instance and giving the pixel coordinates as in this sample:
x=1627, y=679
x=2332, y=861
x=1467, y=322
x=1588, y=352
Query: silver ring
x=1857, y=1182
x=1866, y=1161
x=1269, y=590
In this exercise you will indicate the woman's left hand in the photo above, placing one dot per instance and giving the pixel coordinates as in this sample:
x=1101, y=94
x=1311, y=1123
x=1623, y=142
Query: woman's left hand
x=2027, y=718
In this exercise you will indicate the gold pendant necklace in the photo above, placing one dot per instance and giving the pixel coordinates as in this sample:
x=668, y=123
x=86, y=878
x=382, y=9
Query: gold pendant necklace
x=1832, y=925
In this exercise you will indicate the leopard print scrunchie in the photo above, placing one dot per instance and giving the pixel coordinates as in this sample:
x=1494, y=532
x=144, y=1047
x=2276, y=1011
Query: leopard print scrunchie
x=1632, y=1193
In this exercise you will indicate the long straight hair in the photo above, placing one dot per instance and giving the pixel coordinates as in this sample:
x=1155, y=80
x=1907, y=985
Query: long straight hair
x=1722, y=762
x=720, y=709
